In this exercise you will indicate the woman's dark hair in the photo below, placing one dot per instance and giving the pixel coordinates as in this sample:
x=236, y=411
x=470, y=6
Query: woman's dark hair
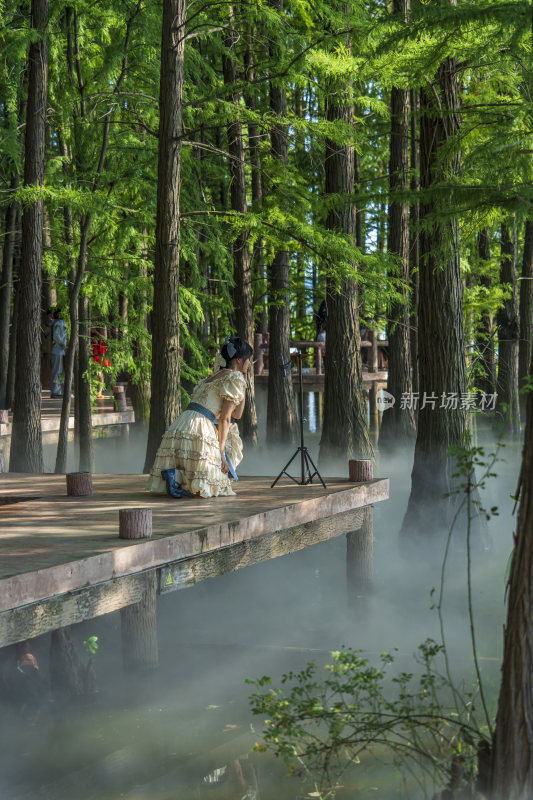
x=242, y=349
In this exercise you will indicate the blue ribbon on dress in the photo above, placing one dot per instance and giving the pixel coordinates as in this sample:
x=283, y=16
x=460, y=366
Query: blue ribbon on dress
x=211, y=417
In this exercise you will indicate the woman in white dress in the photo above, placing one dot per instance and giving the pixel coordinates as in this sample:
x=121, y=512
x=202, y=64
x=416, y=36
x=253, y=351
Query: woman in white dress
x=200, y=451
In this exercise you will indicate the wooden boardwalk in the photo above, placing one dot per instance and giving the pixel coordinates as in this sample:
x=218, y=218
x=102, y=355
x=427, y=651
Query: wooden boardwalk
x=63, y=553
x=51, y=414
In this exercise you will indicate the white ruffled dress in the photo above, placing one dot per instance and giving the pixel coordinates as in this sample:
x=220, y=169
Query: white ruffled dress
x=190, y=446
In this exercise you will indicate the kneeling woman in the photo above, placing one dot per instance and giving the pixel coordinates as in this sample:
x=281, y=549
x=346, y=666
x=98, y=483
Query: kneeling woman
x=201, y=449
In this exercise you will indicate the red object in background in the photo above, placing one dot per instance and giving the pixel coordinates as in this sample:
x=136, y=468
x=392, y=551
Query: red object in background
x=99, y=349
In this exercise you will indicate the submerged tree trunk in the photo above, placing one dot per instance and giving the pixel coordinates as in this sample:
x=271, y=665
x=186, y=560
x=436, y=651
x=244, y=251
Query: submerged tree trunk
x=344, y=431
x=281, y=417
x=165, y=399
x=26, y=441
x=512, y=744
x=242, y=271
x=441, y=419
x=526, y=313
x=398, y=424
x=508, y=333
x=486, y=382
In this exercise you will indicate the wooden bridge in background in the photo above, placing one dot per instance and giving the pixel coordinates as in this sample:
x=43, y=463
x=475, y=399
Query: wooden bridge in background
x=374, y=370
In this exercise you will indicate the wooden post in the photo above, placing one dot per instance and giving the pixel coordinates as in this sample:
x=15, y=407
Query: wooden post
x=259, y=363
x=361, y=471
x=79, y=484
x=135, y=523
x=360, y=557
x=318, y=353
x=120, y=397
x=372, y=401
x=373, y=352
x=139, y=630
x=2, y=464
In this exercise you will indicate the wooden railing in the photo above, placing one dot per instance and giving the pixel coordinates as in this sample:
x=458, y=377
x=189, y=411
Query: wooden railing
x=372, y=345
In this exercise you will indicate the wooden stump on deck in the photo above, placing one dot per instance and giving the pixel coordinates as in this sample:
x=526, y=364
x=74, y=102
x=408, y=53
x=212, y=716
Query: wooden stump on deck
x=361, y=471
x=120, y=398
x=79, y=484
x=135, y=523
x=139, y=630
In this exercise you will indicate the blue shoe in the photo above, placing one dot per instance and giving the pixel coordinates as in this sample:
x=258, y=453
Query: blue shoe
x=173, y=488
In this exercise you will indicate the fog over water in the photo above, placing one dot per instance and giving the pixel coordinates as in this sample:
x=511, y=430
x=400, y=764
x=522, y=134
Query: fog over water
x=166, y=734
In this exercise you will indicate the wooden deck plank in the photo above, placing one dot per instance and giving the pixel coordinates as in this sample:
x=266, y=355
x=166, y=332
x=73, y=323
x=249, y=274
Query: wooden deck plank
x=58, y=544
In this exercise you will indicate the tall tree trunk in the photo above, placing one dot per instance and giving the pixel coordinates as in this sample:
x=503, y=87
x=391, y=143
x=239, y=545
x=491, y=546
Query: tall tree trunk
x=398, y=425
x=344, y=430
x=508, y=333
x=62, y=444
x=26, y=441
x=440, y=315
x=83, y=390
x=165, y=399
x=526, y=312
x=85, y=226
x=414, y=241
x=6, y=290
x=140, y=389
x=242, y=272
x=281, y=417
x=12, y=363
x=254, y=145
x=485, y=338
x=512, y=744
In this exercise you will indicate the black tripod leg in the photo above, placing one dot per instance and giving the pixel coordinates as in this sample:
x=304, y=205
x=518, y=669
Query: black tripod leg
x=284, y=468
x=316, y=472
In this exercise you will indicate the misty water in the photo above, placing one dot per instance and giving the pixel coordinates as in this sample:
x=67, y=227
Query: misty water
x=186, y=730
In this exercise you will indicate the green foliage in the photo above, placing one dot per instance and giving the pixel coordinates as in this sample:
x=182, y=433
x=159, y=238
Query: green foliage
x=91, y=645
x=362, y=48
x=320, y=726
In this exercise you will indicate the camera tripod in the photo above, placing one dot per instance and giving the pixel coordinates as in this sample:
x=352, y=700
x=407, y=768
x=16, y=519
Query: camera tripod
x=306, y=461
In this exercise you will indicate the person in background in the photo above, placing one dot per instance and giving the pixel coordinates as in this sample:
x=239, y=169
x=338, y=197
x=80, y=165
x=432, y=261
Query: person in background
x=59, y=344
x=321, y=336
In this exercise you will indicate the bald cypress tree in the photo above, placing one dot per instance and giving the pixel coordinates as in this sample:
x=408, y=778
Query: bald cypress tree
x=442, y=381
x=344, y=430
x=165, y=398
x=281, y=417
x=398, y=423
x=242, y=267
x=26, y=441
